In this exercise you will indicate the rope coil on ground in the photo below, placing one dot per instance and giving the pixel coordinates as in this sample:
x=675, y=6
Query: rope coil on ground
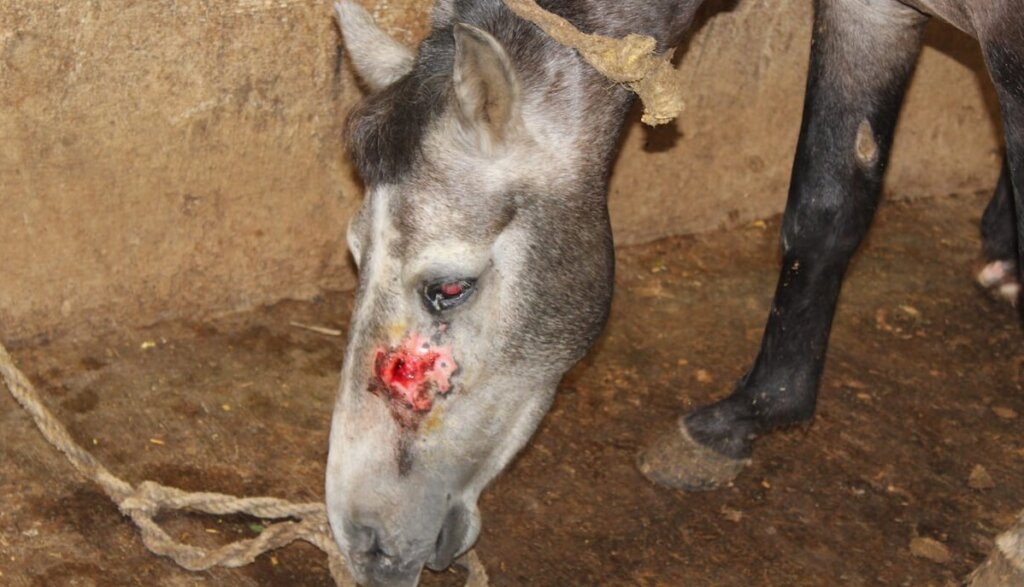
x=141, y=503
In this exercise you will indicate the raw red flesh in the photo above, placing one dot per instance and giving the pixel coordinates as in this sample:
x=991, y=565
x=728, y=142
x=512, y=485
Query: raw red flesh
x=414, y=370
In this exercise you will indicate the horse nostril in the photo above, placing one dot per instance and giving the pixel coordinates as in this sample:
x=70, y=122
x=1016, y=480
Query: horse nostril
x=441, y=538
x=449, y=539
x=376, y=551
x=365, y=540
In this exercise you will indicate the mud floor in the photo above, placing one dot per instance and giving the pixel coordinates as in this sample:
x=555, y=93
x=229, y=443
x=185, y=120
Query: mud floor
x=922, y=386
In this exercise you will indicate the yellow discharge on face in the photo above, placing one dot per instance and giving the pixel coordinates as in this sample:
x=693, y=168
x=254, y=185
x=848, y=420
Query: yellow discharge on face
x=434, y=421
x=396, y=331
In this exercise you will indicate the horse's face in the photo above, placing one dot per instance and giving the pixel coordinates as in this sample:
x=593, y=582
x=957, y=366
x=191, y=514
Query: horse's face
x=479, y=287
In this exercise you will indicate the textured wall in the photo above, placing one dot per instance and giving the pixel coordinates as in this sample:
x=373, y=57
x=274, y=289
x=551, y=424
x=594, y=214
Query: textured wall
x=727, y=159
x=167, y=158
x=178, y=158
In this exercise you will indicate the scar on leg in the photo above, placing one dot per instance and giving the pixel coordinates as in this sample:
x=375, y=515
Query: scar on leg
x=865, y=147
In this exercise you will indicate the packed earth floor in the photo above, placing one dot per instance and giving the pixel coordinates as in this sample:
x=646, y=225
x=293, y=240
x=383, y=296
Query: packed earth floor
x=914, y=462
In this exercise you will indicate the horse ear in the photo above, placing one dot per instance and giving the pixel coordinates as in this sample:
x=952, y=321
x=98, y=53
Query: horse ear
x=486, y=86
x=379, y=60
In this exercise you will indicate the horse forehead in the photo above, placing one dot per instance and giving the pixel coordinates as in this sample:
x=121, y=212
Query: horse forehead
x=436, y=214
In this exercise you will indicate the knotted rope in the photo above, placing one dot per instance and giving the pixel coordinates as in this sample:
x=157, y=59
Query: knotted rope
x=630, y=61
x=141, y=503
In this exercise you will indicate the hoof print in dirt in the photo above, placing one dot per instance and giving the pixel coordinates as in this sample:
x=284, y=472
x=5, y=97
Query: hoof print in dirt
x=678, y=461
x=1000, y=279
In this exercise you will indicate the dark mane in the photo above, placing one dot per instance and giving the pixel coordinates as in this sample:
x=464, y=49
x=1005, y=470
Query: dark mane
x=386, y=133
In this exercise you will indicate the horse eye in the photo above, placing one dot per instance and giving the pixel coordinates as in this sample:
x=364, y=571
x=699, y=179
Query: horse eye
x=444, y=294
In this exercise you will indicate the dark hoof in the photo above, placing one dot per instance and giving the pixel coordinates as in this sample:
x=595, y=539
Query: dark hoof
x=678, y=461
x=1000, y=279
x=1005, y=564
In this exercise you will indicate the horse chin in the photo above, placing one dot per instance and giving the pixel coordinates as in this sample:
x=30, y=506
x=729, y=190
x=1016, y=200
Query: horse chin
x=460, y=530
x=411, y=579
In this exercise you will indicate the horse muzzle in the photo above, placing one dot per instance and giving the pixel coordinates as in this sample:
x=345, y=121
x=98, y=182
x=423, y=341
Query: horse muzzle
x=379, y=561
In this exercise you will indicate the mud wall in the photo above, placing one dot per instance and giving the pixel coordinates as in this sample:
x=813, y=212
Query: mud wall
x=180, y=159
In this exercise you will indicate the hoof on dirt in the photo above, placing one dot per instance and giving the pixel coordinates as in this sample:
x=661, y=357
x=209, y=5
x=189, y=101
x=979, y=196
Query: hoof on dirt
x=678, y=461
x=1000, y=278
x=1005, y=564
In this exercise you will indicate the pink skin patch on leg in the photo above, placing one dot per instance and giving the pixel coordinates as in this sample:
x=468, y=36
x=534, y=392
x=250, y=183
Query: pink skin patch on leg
x=414, y=371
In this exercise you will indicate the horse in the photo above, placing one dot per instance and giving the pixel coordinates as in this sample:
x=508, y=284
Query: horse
x=485, y=252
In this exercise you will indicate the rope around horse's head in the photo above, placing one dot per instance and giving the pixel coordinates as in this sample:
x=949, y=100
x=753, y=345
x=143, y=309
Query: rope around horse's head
x=630, y=61
x=142, y=502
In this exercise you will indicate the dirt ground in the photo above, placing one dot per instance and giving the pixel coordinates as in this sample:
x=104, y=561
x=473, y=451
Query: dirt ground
x=922, y=385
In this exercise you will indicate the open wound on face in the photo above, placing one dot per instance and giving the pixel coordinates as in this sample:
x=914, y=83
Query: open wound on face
x=414, y=372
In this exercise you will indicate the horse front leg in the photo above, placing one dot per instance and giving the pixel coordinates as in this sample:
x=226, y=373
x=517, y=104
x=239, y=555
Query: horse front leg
x=1002, y=41
x=999, y=241
x=862, y=56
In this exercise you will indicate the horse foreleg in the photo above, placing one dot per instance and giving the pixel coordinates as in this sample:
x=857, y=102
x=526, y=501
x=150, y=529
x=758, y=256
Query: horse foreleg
x=862, y=57
x=1002, y=40
x=999, y=241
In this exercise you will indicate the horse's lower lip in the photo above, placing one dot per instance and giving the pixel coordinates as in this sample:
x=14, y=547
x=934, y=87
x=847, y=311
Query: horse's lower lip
x=375, y=571
x=410, y=580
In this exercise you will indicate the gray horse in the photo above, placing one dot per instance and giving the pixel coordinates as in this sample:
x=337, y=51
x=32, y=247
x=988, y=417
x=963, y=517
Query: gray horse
x=486, y=258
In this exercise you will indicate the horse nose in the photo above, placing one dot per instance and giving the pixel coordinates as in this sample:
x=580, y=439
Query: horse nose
x=451, y=538
x=366, y=549
x=364, y=538
x=373, y=559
